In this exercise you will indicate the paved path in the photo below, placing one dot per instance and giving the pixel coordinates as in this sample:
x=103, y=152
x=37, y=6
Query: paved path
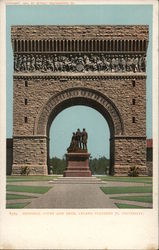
x=77, y=193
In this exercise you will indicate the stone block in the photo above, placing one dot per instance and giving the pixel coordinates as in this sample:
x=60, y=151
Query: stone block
x=77, y=165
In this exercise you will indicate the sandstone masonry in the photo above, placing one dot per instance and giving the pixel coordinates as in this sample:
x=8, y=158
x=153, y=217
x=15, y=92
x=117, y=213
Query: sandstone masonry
x=56, y=67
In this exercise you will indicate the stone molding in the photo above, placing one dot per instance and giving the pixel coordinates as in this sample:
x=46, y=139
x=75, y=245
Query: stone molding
x=46, y=137
x=97, y=98
x=65, y=77
x=118, y=137
x=30, y=137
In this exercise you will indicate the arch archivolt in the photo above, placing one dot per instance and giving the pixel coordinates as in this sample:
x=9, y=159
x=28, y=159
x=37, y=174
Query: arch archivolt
x=79, y=96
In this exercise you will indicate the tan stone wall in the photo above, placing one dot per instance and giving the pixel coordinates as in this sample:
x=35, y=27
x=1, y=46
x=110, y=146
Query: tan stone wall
x=79, y=32
x=30, y=152
x=130, y=148
x=130, y=151
x=121, y=92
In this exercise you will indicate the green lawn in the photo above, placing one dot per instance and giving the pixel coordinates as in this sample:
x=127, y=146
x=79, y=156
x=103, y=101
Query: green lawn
x=119, y=205
x=30, y=178
x=18, y=196
x=28, y=189
x=126, y=190
x=147, y=180
x=17, y=205
x=147, y=199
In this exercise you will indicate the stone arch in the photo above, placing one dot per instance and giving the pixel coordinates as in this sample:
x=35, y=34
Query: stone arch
x=31, y=129
x=79, y=96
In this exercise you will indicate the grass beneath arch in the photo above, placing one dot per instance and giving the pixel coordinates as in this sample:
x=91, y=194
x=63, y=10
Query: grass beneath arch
x=28, y=189
x=146, y=179
x=20, y=178
x=17, y=205
x=18, y=196
x=145, y=199
x=126, y=190
x=120, y=205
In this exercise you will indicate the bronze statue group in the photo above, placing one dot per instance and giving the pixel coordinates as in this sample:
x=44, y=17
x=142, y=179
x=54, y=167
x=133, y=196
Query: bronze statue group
x=78, y=141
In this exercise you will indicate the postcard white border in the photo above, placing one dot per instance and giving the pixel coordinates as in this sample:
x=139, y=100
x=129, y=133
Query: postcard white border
x=95, y=228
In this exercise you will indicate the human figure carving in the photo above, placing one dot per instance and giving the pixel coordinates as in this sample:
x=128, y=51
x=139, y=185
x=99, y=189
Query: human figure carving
x=24, y=63
x=16, y=63
x=136, y=64
x=113, y=64
x=28, y=62
x=122, y=64
x=32, y=63
x=129, y=64
x=49, y=65
x=38, y=62
x=99, y=64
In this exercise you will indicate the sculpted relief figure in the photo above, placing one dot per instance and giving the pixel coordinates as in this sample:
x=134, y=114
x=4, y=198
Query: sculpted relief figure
x=129, y=64
x=38, y=62
x=79, y=63
x=24, y=63
x=32, y=63
x=122, y=64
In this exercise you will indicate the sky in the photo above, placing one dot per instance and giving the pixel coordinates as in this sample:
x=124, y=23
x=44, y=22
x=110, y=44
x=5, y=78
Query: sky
x=78, y=116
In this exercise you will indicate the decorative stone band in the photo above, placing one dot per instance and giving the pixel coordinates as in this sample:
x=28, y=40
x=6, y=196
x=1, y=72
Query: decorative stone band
x=128, y=137
x=63, y=77
x=83, y=63
x=114, y=137
x=80, y=45
x=30, y=137
x=79, y=95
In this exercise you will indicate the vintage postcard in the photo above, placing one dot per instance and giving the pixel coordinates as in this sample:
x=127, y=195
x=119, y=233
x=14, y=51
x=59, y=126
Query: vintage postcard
x=79, y=124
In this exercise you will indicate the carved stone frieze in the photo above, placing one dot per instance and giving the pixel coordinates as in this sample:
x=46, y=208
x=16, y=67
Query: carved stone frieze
x=79, y=63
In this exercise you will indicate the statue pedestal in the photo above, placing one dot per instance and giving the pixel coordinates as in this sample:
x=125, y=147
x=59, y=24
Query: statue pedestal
x=77, y=165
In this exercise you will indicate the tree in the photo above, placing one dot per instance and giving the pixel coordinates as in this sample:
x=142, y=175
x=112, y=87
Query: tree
x=97, y=166
x=58, y=166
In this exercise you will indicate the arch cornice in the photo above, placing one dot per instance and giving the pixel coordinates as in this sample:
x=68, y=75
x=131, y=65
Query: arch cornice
x=81, y=76
x=79, y=96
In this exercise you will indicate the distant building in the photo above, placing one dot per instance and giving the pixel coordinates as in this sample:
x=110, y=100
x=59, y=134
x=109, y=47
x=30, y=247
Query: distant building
x=9, y=155
x=149, y=146
x=149, y=155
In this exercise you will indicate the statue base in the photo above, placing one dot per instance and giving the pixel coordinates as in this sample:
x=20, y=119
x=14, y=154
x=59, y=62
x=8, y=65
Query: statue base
x=77, y=165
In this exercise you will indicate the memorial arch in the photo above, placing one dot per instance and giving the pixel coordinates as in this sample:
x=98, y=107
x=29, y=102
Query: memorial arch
x=56, y=67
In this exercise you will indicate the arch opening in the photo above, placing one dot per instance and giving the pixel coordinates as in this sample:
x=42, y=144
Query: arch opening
x=88, y=103
x=60, y=134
